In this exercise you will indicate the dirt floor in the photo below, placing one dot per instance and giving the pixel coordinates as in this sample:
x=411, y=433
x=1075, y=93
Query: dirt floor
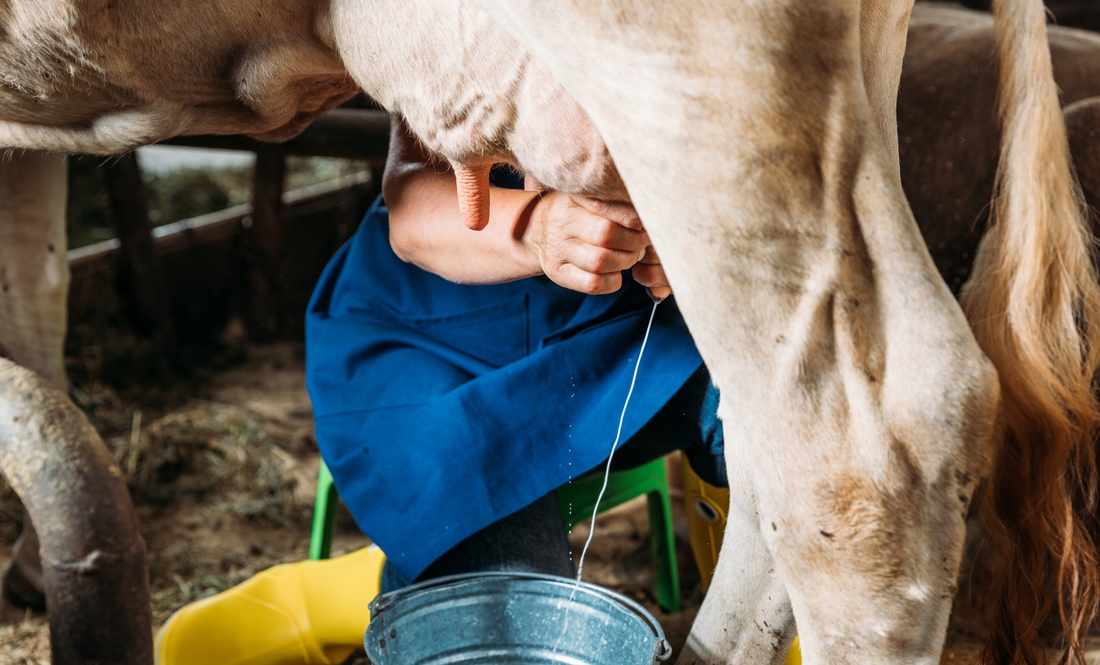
x=222, y=470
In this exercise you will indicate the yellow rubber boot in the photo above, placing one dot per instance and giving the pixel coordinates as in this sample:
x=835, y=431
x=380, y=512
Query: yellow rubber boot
x=706, y=507
x=794, y=656
x=305, y=613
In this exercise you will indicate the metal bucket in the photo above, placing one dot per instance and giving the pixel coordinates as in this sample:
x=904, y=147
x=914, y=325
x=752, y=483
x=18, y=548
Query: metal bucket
x=511, y=618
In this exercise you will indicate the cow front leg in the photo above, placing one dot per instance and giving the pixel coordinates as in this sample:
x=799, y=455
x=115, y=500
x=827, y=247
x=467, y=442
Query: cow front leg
x=34, y=286
x=34, y=270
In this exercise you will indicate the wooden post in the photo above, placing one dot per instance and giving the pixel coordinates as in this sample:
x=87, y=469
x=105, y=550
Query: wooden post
x=263, y=297
x=148, y=293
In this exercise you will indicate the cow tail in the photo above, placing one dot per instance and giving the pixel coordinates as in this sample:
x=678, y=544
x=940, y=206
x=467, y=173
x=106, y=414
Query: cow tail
x=1034, y=304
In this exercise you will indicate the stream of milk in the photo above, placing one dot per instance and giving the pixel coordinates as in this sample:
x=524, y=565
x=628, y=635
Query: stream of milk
x=606, y=475
x=618, y=435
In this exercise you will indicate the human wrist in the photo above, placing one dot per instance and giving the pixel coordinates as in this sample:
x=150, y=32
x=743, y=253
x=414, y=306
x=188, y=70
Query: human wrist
x=529, y=232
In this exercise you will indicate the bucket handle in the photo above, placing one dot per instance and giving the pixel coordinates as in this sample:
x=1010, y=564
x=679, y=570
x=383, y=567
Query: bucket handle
x=382, y=602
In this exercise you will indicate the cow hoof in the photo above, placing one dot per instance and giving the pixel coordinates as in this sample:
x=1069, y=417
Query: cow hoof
x=19, y=591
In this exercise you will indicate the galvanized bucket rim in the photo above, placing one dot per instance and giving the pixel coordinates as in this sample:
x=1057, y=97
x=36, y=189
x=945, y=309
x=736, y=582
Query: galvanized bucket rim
x=384, y=601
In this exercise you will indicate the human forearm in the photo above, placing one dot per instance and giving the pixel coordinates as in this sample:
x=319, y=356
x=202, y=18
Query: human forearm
x=426, y=228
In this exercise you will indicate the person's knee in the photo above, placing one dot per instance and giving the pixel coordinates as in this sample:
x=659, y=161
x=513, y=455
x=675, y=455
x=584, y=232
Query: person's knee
x=708, y=457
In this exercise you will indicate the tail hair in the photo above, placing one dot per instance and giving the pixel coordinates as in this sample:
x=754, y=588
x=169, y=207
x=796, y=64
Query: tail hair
x=1033, y=302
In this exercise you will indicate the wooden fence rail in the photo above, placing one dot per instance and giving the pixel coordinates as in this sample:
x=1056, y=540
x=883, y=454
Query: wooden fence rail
x=343, y=133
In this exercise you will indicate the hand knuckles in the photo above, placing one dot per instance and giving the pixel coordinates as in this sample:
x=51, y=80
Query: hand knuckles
x=605, y=235
x=590, y=284
x=600, y=260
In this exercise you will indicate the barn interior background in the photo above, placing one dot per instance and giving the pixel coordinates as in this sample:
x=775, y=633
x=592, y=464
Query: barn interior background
x=184, y=349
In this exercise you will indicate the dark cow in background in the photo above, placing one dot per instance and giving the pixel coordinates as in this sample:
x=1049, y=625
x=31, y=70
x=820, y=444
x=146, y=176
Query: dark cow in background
x=947, y=121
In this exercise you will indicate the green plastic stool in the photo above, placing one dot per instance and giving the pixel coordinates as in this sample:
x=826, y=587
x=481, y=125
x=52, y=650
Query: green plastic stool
x=324, y=515
x=576, y=499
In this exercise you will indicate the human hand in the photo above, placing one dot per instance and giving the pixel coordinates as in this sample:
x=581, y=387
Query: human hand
x=651, y=274
x=583, y=243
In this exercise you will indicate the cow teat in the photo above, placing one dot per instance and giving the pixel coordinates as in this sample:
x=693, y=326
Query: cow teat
x=472, y=181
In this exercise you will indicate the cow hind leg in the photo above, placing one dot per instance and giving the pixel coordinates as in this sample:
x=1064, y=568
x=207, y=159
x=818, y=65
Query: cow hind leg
x=34, y=282
x=863, y=429
x=856, y=401
x=857, y=406
x=883, y=29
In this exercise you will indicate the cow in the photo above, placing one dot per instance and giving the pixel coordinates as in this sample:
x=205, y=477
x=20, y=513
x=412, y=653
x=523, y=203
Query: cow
x=758, y=141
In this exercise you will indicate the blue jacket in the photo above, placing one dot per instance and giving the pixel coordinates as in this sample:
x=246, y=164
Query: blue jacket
x=441, y=408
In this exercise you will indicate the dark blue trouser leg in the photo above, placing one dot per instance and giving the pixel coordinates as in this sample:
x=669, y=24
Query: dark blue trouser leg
x=531, y=540
x=689, y=422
